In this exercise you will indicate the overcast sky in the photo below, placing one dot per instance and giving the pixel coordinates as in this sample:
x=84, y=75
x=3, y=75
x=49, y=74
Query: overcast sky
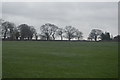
x=83, y=15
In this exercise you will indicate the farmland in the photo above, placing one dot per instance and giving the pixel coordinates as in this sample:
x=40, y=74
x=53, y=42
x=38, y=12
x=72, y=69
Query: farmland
x=45, y=59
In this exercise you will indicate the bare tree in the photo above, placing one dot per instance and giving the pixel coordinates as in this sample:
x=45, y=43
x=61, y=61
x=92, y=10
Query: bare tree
x=16, y=33
x=32, y=32
x=45, y=31
x=36, y=36
x=7, y=29
x=70, y=32
x=60, y=32
x=53, y=30
x=26, y=31
x=78, y=34
x=94, y=34
x=48, y=30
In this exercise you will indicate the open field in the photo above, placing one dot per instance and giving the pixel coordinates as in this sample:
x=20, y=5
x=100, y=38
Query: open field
x=40, y=59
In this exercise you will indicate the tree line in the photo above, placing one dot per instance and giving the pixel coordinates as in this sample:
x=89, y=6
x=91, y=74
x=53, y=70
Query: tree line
x=48, y=31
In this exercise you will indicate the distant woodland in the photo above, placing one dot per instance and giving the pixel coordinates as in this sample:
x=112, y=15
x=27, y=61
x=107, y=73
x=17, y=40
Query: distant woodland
x=49, y=32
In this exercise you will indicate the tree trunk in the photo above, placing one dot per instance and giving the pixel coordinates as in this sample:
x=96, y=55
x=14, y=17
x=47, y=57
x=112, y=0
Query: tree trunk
x=61, y=38
x=5, y=35
x=31, y=37
x=47, y=38
x=95, y=38
x=28, y=38
x=36, y=38
x=53, y=36
x=69, y=39
x=16, y=38
x=22, y=38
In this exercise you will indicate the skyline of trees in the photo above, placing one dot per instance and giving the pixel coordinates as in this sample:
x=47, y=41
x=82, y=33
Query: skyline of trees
x=48, y=31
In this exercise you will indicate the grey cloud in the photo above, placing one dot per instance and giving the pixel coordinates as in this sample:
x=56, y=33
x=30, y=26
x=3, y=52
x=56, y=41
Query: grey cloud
x=84, y=16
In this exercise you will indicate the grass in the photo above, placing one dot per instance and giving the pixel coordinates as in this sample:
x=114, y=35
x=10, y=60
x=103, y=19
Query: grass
x=39, y=59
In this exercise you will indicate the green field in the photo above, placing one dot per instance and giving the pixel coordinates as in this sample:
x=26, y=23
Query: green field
x=44, y=59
